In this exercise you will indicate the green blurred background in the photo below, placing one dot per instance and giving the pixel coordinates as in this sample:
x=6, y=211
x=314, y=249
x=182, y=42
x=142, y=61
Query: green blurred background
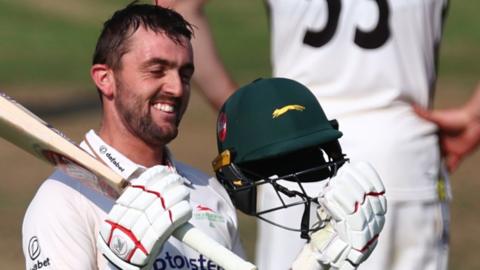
x=45, y=54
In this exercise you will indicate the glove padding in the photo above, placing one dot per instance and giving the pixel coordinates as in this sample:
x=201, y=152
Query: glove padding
x=353, y=207
x=143, y=218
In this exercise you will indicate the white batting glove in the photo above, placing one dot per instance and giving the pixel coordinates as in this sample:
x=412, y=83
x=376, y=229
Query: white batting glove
x=143, y=218
x=353, y=205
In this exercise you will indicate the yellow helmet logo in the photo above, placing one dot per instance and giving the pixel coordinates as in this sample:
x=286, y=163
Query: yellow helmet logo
x=283, y=110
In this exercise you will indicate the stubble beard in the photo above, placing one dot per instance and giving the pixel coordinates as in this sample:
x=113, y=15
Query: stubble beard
x=138, y=120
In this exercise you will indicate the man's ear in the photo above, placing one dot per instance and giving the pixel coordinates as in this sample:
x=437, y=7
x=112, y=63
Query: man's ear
x=103, y=77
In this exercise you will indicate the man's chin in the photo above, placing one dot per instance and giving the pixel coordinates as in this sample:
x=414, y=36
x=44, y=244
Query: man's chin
x=164, y=137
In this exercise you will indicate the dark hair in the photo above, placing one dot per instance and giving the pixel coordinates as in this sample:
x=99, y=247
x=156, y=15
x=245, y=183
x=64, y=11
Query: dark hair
x=113, y=42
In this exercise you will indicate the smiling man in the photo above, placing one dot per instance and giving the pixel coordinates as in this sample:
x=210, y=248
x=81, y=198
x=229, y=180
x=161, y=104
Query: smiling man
x=142, y=66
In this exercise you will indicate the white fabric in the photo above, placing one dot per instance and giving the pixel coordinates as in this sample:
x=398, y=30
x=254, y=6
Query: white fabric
x=422, y=242
x=109, y=155
x=369, y=92
x=143, y=217
x=62, y=222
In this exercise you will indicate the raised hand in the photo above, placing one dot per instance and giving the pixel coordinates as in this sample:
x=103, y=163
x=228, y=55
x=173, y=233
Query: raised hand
x=352, y=207
x=143, y=218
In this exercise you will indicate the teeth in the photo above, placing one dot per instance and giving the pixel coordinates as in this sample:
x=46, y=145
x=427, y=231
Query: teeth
x=164, y=107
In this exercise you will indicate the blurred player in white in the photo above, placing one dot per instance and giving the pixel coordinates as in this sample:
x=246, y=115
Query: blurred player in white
x=367, y=62
x=142, y=68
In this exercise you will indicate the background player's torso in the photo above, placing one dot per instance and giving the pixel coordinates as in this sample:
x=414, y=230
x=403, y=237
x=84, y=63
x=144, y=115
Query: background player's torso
x=367, y=62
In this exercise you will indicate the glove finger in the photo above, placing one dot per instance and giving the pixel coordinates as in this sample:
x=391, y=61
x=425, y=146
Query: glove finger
x=360, y=219
x=154, y=234
x=333, y=208
x=372, y=184
x=166, y=200
x=377, y=202
x=128, y=195
x=376, y=225
x=181, y=213
x=358, y=176
x=175, y=194
x=343, y=195
x=170, y=193
x=119, y=218
x=158, y=171
x=162, y=228
x=144, y=199
x=129, y=218
x=370, y=176
x=159, y=190
x=117, y=212
x=163, y=225
x=380, y=221
x=162, y=185
x=360, y=239
x=347, y=192
x=177, y=215
x=149, y=207
x=173, y=197
x=357, y=191
x=113, y=216
x=153, y=181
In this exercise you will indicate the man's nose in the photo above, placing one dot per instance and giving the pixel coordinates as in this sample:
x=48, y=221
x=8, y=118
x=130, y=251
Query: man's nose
x=173, y=85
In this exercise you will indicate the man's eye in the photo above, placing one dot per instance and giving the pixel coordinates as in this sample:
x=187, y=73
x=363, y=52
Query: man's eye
x=158, y=72
x=186, y=78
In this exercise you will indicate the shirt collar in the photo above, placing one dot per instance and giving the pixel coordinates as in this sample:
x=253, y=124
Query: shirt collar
x=115, y=160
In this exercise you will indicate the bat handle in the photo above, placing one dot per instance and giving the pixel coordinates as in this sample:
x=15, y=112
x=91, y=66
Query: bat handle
x=202, y=243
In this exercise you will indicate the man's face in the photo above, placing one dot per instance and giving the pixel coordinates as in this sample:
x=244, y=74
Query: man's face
x=153, y=86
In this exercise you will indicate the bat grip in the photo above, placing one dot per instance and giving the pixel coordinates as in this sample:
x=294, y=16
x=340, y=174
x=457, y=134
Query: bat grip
x=202, y=243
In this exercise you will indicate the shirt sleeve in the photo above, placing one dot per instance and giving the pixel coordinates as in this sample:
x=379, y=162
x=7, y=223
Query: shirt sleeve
x=56, y=233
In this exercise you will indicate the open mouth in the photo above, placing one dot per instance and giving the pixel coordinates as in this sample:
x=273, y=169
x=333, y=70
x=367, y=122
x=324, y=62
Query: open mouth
x=168, y=108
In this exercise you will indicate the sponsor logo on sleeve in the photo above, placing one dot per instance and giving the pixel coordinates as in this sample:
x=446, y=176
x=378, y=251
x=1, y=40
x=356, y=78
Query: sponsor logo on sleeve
x=202, y=212
x=33, y=248
x=34, y=252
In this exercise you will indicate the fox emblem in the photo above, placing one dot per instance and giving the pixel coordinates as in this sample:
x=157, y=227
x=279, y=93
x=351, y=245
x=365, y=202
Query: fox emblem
x=279, y=112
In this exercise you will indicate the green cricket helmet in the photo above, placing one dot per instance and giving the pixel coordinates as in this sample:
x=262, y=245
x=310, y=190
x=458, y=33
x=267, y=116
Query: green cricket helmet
x=271, y=131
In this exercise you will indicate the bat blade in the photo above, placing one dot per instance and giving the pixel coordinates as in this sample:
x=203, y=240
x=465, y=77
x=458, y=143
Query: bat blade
x=27, y=131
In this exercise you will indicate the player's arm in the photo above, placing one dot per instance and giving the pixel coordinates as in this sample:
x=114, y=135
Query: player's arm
x=210, y=74
x=353, y=208
x=459, y=129
x=143, y=218
x=56, y=229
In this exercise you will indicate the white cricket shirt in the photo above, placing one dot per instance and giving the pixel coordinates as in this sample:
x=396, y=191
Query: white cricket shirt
x=61, y=224
x=367, y=62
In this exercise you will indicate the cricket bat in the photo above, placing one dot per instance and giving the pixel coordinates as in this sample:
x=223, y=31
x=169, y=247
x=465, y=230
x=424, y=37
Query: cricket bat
x=24, y=129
